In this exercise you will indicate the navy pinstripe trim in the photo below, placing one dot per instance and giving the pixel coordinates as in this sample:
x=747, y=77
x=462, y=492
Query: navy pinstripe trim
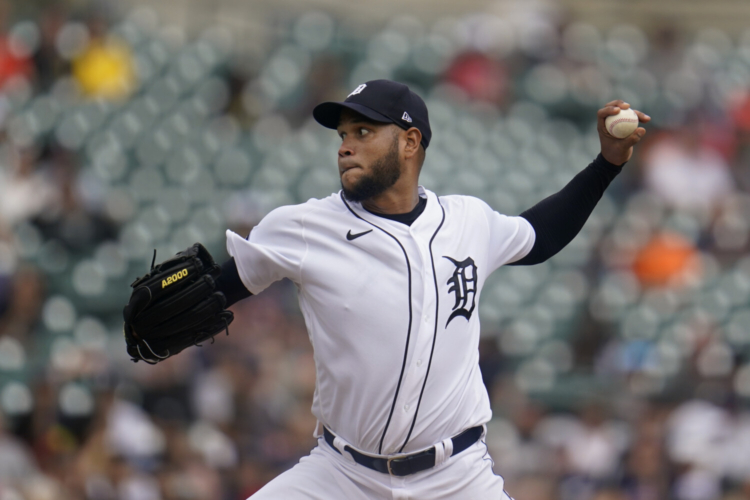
x=492, y=464
x=408, y=333
x=434, y=335
x=492, y=461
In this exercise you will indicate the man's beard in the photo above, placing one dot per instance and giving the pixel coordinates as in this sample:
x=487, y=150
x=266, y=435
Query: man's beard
x=384, y=173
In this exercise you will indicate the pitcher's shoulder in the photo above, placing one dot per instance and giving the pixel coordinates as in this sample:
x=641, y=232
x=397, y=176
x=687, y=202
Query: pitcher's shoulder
x=463, y=203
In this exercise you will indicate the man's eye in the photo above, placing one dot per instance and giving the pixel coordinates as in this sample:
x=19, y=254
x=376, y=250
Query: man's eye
x=363, y=131
x=342, y=135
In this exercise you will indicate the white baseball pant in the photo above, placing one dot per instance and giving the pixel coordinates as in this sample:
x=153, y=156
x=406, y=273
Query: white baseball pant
x=327, y=475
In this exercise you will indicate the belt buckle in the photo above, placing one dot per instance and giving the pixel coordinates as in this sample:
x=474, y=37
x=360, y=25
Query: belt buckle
x=388, y=463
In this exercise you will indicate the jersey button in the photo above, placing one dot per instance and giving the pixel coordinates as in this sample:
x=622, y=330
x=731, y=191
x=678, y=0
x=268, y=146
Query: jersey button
x=419, y=363
x=406, y=407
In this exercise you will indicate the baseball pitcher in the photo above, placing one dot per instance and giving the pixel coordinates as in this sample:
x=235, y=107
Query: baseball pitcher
x=389, y=276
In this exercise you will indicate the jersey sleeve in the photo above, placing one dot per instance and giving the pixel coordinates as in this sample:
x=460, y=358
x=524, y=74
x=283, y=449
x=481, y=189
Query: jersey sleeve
x=510, y=237
x=273, y=250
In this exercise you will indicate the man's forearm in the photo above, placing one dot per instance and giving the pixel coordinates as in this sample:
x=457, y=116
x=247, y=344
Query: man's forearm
x=558, y=218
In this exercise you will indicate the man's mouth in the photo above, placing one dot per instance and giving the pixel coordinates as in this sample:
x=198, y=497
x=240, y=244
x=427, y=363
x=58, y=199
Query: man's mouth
x=345, y=168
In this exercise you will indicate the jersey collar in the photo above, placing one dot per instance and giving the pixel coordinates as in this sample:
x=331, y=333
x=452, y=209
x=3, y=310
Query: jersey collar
x=428, y=220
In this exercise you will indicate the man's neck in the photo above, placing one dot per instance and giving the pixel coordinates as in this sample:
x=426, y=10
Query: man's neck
x=392, y=202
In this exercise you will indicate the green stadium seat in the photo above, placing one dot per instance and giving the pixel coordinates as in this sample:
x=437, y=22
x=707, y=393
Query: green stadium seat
x=16, y=399
x=89, y=278
x=146, y=184
x=232, y=168
x=59, y=314
x=12, y=355
x=111, y=258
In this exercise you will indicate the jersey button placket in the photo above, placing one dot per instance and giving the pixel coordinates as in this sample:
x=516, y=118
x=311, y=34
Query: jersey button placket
x=423, y=332
x=411, y=384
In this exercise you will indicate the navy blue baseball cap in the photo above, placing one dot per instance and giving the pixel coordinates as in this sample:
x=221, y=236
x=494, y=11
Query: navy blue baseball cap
x=382, y=101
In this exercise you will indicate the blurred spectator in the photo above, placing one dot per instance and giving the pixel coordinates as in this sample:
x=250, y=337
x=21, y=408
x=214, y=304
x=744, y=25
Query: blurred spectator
x=736, y=449
x=667, y=49
x=75, y=218
x=668, y=259
x=24, y=303
x=47, y=61
x=533, y=488
x=590, y=448
x=17, y=463
x=610, y=494
x=480, y=77
x=740, y=112
x=132, y=434
x=213, y=396
x=594, y=445
x=646, y=474
x=696, y=432
x=105, y=69
x=685, y=172
x=516, y=447
x=15, y=61
x=697, y=484
x=26, y=189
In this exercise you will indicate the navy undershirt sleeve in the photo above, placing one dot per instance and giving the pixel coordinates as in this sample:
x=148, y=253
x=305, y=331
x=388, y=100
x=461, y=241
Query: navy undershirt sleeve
x=230, y=283
x=557, y=219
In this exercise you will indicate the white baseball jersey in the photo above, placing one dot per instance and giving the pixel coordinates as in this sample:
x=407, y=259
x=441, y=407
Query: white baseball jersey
x=391, y=310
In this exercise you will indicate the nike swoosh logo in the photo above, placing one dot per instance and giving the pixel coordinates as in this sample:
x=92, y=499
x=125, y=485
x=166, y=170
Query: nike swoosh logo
x=350, y=236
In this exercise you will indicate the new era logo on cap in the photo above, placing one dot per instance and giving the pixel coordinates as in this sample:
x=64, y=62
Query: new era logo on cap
x=406, y=117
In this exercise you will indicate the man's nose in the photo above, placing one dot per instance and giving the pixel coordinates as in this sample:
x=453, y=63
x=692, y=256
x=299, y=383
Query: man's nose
x=345, y=149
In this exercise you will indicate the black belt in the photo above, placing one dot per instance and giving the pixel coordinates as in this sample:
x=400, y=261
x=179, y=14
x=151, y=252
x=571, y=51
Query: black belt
x=408, y=464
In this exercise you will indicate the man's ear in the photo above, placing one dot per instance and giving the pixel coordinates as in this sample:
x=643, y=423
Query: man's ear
x=413, y=139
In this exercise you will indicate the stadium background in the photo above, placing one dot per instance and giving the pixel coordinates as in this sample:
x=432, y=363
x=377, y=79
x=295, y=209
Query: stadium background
x=619, y=370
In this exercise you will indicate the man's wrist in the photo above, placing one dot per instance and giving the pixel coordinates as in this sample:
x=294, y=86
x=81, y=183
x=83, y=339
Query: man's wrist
x=601, y=160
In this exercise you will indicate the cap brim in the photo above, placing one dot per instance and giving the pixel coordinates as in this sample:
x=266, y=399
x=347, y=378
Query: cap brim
x=329, y=113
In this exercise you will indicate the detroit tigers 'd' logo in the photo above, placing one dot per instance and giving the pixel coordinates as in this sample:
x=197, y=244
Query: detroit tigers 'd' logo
x=464, y=285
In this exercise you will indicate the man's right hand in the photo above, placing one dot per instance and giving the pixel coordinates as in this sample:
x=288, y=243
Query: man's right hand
x=618, y=151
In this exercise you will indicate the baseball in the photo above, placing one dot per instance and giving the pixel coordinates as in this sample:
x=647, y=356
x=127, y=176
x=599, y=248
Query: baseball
x=622, y=124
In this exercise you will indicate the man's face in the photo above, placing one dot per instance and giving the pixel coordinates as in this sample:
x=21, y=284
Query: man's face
x=368, y=158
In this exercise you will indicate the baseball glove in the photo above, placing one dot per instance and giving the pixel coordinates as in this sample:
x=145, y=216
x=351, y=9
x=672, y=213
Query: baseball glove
x=174, y=306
